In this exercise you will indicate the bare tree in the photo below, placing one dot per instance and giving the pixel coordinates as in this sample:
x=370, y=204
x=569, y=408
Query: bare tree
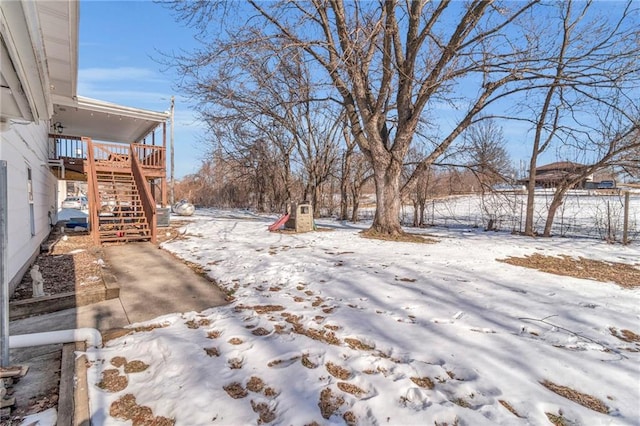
x=614, y=144
x=387, y=62
x=589, y=61
x=487, y=156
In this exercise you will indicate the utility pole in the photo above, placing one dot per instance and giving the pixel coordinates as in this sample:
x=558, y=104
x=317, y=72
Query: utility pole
x=172, y=193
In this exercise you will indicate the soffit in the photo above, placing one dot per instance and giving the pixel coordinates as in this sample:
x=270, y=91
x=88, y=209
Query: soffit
x=104, y=121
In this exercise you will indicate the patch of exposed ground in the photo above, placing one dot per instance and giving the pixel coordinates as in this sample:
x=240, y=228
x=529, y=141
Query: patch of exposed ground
x=329, y=402
x=623, y=274
x=112, y=381
x=126, y=408
x=509, y=407
x=351, y=388
x=193, y=324
x=235, y=390
x=337, y=371
x=70, y=265
x=403, y=237
x=583, y=399
x=625, y=335
x=357, y=344
x=265, y=413
x=423, y=382
x=135, y=366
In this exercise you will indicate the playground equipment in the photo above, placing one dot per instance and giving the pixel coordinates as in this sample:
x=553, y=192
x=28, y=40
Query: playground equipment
x=299, y=219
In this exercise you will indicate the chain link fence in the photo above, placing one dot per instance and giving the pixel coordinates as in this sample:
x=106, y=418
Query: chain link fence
x=586, y=214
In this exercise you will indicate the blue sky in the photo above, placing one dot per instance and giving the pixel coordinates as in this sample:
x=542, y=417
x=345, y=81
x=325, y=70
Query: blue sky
x=120, y=45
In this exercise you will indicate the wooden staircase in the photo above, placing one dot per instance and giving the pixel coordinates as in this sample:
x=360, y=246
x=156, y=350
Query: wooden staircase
x=121, y=216
x=120, y=200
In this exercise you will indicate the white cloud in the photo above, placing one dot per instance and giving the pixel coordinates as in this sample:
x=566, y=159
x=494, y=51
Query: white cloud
x=91, y=75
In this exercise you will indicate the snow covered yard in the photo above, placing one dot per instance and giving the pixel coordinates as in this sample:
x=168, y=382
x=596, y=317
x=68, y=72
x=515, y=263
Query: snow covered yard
x=332, y=328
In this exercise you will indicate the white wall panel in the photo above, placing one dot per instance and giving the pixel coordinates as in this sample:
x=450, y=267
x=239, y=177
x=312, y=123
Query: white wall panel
x=24, y=146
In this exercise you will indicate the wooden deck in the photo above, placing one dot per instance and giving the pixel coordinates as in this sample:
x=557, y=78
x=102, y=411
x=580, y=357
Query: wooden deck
x=122, y=178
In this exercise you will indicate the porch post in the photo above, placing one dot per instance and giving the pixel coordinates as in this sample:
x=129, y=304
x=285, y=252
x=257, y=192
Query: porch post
x=163, y=179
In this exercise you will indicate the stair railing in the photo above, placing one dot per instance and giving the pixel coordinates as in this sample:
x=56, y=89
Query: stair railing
x=150, y=156
x=148, y=203
x=94, y=193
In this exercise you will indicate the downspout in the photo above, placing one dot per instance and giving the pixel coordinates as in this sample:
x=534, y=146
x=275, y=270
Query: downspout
x=4, y=280
x=89, y=335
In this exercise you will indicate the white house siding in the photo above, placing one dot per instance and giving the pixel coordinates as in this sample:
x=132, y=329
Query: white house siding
x=24, y=146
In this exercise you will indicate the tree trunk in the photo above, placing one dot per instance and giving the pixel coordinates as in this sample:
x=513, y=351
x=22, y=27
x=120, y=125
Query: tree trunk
x=558, y=198
x=531, y=188
x=421, y=206
x=416, y=218
x=387, y=218
x=344, y=185
x=355, y=192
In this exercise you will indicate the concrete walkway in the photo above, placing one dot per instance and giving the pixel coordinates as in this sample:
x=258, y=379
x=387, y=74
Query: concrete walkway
x=152, y=283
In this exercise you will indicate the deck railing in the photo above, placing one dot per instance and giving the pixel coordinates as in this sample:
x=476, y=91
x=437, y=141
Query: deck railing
x=148, y=203
x=94, y=193
x=117, y=154
x=67, y=147
x=150, y=156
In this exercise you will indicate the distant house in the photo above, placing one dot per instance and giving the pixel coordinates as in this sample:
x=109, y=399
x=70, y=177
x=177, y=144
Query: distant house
x=49, y=134
x=551, y=175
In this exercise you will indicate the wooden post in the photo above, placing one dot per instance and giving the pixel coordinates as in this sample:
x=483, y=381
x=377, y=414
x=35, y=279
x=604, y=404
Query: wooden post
x=625, y=231
x=163, y=179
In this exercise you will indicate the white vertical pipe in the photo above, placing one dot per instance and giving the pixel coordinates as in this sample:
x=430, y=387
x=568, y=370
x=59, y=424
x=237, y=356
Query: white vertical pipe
x=4, y=280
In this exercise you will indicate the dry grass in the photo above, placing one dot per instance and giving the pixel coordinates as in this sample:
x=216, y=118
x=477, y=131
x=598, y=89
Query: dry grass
x=351, y=388
x=402, y=237
x=266, y=414
x=150, y=327
x=320, y=335
x=212, y=351
x=112, y=381
x=118, y=361
x=461, y=402
x=508, y=406
x=623, y=274
x=235, y=341
x=255, y=384
x=557, y=420
x=235, y=363
x=337, y=371
x=625, y=335
x=126, y=408
x=578, y=397
x=306, y=362
x=135, y=366
x=235, y=390
x=423, y=382
x=263, y=309
x=329, y=403
x=214, y=334
x=193, y=324
x=260, y=331
x=357, y=344
x=350, y=419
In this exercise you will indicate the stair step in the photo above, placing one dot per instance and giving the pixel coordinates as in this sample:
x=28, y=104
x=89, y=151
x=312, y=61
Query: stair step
x=119, y=188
